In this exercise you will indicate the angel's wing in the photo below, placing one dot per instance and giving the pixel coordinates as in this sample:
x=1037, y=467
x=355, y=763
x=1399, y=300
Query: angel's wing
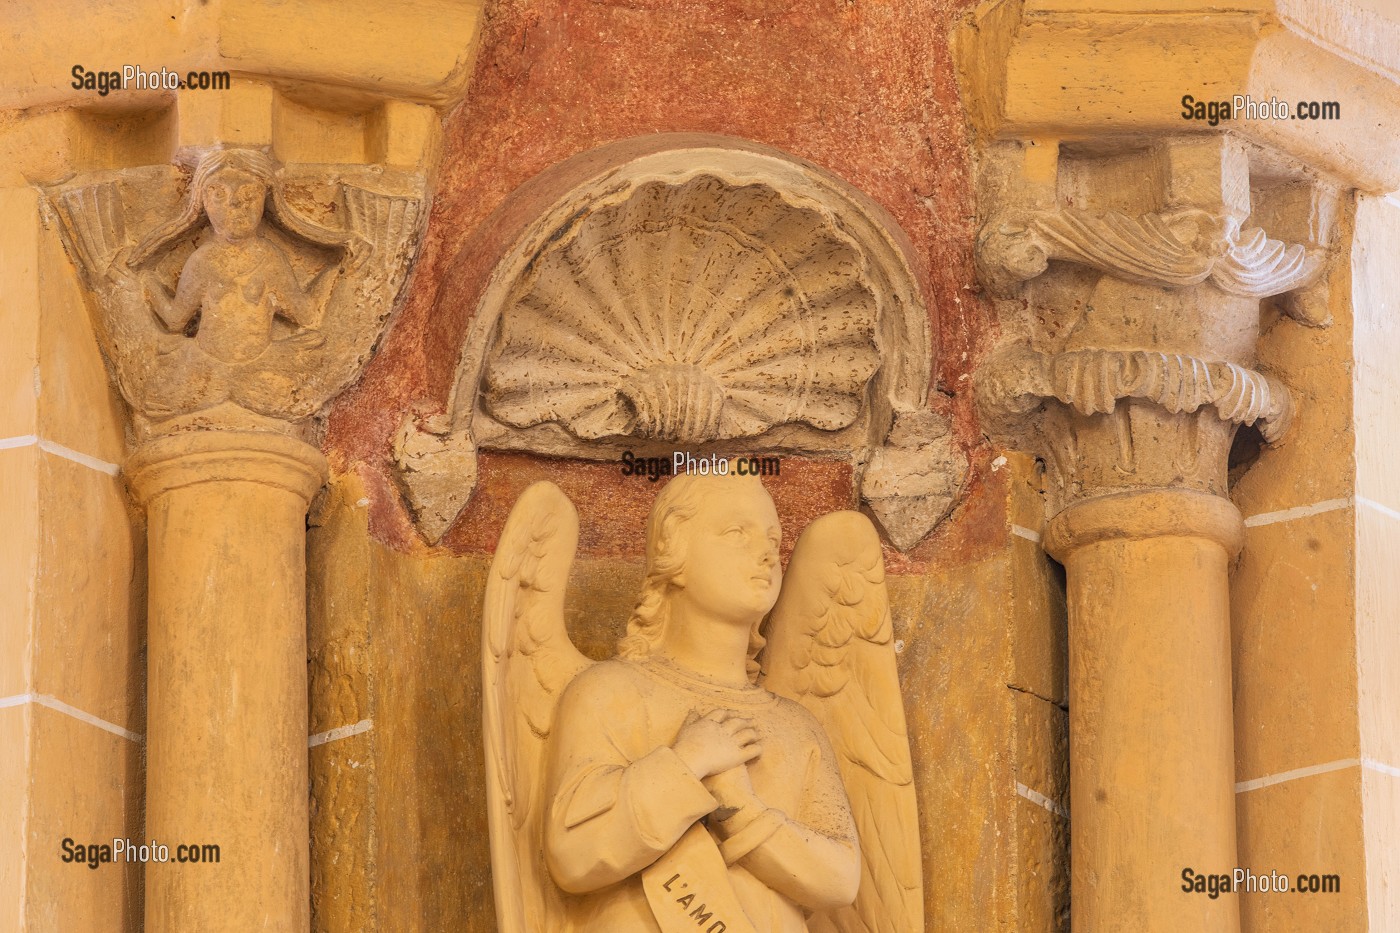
x=830, y=648
x=526, y=662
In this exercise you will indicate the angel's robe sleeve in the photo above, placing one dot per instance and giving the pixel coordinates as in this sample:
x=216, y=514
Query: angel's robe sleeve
x=813, y=858
x=618, y=797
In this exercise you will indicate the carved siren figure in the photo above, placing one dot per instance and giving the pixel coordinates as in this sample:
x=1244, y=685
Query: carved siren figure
x=237, y=325
x=677, y=786
x=231, y=289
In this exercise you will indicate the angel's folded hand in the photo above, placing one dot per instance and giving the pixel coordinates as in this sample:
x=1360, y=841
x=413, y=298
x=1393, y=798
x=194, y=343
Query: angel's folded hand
x=716, y=742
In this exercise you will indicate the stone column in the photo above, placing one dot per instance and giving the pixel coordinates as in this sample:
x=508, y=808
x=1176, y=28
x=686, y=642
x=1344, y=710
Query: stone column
x=242, y=245
x=1132, y=380
x=226, y=680
x=1151, y=726
x=224, y=394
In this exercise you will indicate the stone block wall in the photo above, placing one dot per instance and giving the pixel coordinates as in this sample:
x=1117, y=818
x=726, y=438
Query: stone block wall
x=71, y=569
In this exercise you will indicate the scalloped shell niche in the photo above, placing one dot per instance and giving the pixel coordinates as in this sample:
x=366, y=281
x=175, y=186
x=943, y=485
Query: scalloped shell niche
x=688, y=312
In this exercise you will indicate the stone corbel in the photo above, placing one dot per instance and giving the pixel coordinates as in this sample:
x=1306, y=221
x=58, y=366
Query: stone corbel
x=912, y=480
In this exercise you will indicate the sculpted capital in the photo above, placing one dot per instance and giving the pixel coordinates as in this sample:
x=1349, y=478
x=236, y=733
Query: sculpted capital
x=244, y=294
x=1135, y=360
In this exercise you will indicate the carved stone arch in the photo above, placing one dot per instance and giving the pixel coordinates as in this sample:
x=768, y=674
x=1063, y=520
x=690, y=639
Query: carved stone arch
x=697, y=292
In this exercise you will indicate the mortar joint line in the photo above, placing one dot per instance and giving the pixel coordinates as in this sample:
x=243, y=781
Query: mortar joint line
x=1301, y=511
x=340, y=732
x=57, y=705
x=58, y=450
x=1295, y=774
x=1030, y=534
x=1383, y=509
x=1380, y=767
x=1040, y=800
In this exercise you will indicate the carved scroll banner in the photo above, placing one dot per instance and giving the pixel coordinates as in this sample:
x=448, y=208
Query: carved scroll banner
x=688, y=888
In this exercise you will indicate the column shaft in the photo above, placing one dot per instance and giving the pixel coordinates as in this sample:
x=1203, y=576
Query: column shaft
x=1151, y=724
x=226, y=695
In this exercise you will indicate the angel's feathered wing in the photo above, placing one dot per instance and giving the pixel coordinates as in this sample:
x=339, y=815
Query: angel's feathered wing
x=830, y=648
x=526, y=662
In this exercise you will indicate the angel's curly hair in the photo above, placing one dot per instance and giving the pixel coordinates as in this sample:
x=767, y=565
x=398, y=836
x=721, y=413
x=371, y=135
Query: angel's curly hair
x=666, y=557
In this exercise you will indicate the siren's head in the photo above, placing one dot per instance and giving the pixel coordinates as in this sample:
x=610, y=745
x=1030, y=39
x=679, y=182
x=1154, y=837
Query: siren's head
x=231, y=186
x=711, y=541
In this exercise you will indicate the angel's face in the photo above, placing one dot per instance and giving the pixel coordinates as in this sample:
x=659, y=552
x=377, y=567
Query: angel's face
x=731, y=559
x=233, y=201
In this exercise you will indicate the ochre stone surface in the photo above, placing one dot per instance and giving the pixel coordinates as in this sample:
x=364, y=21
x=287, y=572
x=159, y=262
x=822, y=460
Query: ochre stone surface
x=19, y=483
x=1041, y=832
x=342, y=851
x=1320, y=836
x=88, y=633
x=1293, y=613
x=70, y=607
x=96, y=807
x=15, y=728
x=343, y=782
x=1317, y=461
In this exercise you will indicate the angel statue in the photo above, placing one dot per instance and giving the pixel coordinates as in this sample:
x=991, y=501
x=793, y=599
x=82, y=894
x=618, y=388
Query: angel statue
x=682, y=785
x=247, y=316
